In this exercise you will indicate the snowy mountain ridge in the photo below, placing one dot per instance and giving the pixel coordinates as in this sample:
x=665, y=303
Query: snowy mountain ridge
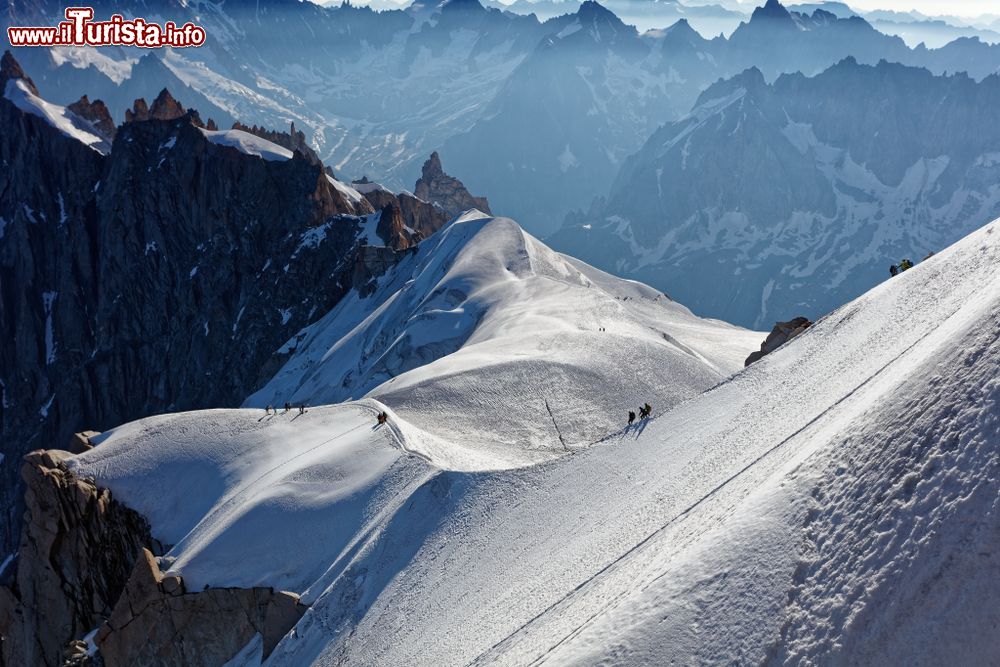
x=483, y=307
x=835, y=501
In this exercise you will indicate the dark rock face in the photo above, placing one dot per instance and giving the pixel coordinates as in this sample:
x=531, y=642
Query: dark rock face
x=438, y=187
x=160, y=277
x=781, y=334
x=77, y=549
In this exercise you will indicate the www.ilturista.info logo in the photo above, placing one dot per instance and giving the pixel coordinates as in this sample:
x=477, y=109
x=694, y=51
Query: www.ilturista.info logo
x=79, y=29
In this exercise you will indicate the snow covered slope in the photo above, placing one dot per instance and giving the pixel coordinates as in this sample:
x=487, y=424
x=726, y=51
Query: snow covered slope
x=248, y=143
x=282, y=493
x=506, y=350
x=19, y=92
x=835, y=503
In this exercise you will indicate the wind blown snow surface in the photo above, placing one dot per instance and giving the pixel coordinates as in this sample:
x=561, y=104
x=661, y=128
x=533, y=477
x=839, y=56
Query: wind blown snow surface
x=491, y=342
x=248, y=143
x=59, y=117
x=835, y=503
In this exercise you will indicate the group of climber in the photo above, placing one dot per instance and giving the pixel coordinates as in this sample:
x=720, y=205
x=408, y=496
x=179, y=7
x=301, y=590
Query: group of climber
x=895, y=269
x=271, y=410
x=382, y=417
x=905, y=265
x=645, y=412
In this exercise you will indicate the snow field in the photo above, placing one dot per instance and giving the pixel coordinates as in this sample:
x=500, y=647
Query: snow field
x=59, y=117
x=835, y=503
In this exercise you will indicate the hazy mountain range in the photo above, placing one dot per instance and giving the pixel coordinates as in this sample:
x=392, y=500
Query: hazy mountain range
x=770, y=200
x=559, y=103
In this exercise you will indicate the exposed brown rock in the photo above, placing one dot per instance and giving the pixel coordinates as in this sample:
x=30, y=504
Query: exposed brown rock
x=165, y=107
x=78, y=546
x=138, y=112
x=85, y=562
x=419, y=216
x=781, y=334
x=80, y=442
x=448, y=192
x=97, y=113
x=157, y=623
x=393, y=230
x=11, y=69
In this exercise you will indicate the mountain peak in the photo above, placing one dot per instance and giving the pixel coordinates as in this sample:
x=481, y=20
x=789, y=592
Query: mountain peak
x=682, y=31
x=750, y=80
x=11, y=69
x=773, y=9
x=448, y=192
x=591, y=10
x=165, y=107
x=465, y=6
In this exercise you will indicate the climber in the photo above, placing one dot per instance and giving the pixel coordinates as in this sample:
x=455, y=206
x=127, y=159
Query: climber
x=648, y=409
x=302, y=408
x=267, y=410
x=905, y=264
x=631, y=417
x=288, y=406
x=894, y=270
x=383, y=417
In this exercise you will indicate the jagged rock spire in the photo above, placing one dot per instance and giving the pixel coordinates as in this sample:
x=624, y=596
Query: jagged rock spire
x=165, y=107
x=11, y=69
x=448, y=192
x=97, y=113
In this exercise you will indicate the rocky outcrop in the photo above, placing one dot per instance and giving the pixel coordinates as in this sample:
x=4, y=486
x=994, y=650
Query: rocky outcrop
x=78, y=547
x=371, y=262
x=294, y=140
x=781, y=334
x=11, y=69
x=448, y=192
x=158, y=623
x=421, y=217
x=160, y=277
x=393, y=228
x=97, y=113
x=86, y=563
x=138, y=112
x=165, y=107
